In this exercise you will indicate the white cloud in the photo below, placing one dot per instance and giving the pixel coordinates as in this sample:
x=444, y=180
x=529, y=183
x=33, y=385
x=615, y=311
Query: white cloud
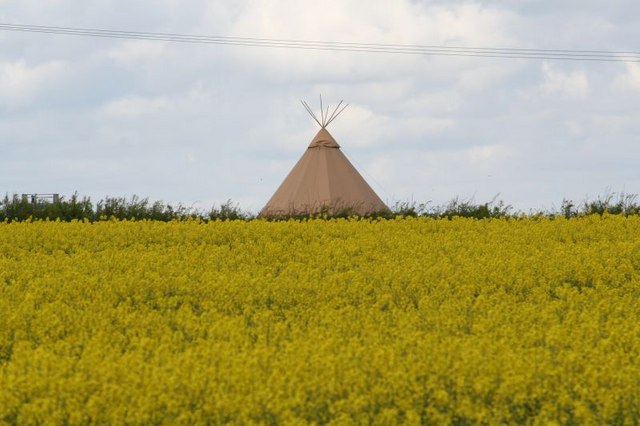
x=488, y=155
x=20, y=84
x=381, y=167
x=432, y=101
x=219, y=122
x=382, y=21
x=574, y=128
x=362, y=127
x=571, y=85
x=485, y=76
x=136, y=106
x=629, y=80
x=135, y=51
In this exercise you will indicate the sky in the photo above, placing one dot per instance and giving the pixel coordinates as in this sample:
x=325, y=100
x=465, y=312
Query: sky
x=202, y=124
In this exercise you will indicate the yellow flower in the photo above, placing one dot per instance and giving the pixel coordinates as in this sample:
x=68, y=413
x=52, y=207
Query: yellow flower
x=325, y=321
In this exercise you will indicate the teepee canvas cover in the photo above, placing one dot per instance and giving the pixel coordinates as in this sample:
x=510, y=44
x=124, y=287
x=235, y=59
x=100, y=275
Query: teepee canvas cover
x=323, y=180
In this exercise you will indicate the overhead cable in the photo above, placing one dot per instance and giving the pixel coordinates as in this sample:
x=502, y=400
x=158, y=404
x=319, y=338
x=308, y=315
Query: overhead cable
x=406, y=49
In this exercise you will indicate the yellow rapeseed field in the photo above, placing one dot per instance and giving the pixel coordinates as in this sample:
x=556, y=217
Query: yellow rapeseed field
x=414, y=321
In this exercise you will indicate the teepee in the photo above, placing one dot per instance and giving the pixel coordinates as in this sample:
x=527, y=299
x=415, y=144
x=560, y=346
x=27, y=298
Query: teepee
x=323, y=180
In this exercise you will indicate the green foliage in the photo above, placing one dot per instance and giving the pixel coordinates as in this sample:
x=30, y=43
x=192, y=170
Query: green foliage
x=468, y=208
x=18, y=209
x=626, y=204
x=410, y=209
x=140, y=208
x=454, y=208
x=14, y=208
x=227, y=211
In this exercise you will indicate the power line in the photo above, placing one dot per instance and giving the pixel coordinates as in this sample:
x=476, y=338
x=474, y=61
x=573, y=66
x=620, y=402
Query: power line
x=406, y=49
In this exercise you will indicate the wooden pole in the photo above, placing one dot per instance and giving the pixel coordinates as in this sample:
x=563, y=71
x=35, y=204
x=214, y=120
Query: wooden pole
x=306, y=106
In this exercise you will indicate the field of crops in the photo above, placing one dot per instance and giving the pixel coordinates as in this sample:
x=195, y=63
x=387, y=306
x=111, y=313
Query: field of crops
x=341, y=321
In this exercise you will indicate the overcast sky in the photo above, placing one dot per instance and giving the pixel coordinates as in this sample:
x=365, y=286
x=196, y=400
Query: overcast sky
x=200, y=124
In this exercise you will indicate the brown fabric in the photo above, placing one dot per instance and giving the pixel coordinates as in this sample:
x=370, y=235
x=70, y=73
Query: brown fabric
x=324, y=138
x=323, y=180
